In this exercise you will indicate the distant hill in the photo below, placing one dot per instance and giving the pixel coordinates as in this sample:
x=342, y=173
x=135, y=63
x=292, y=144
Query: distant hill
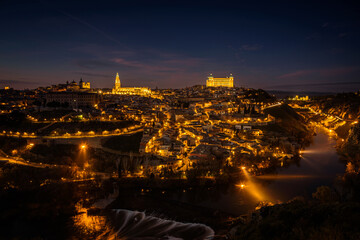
x=284, y=94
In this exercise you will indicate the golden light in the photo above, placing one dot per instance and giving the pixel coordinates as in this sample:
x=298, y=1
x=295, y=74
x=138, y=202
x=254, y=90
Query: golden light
x=30, y=145
x=83, y=146
x=243, y=168
x=87, y=223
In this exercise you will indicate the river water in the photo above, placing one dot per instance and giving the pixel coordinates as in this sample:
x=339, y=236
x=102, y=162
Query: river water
x=319, y=165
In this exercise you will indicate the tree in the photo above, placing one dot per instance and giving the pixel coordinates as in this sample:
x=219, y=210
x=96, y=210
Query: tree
x=38, y=104
x=350, y=168
x=324, y=194
x=53, y=104
x=65, y=105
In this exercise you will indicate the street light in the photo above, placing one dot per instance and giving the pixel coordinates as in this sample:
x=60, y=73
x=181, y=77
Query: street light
x=83, y=146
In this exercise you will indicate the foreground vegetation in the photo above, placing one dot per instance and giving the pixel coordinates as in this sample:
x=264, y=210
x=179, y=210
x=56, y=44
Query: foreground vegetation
x=332, y=213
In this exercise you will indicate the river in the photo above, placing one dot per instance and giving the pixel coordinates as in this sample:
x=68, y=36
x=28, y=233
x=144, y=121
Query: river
x=319, y=165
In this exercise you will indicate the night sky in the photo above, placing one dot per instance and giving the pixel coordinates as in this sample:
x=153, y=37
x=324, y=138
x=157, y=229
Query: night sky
x=174, y=44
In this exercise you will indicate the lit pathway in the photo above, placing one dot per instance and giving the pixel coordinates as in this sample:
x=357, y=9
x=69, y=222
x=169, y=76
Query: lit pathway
x=273, y=105
x=20, y=161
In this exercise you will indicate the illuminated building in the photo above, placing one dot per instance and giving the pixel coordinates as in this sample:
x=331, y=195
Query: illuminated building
x=84, y=85
x=220, y=82
x=117, y=81
x=297, y=98
x=74, y=99
x=72, y=86
x=142, y=91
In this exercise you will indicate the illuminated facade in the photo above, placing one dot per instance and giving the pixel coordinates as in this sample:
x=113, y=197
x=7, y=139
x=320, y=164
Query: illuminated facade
x=220, y=82
x=297, y=98
x=142, y=91
x=117, y=81
x=74, y=99
x=84, y=85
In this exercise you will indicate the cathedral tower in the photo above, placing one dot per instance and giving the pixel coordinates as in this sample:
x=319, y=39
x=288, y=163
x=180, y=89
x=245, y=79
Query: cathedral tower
x=117, y=81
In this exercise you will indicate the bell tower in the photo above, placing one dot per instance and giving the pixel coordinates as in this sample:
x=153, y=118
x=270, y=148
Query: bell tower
x=117, y=81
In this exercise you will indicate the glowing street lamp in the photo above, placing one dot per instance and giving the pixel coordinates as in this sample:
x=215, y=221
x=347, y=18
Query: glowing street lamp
x=83, y=146
x=30, y=145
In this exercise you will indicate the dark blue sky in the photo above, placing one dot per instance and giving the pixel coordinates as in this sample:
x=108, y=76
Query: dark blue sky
x=278, y=45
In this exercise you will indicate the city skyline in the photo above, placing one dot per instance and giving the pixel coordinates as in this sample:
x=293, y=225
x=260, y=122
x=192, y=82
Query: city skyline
x=292, y=46
x=179, y=119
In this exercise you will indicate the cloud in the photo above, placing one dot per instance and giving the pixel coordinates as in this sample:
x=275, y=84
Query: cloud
x=315, y=84
x=93, y=74
x=251, y=47
x=145, y=66
x=184, y=61
x=342, y=35
x=326, y=72
x=84, y=23
x=336, y=50
x=94, y=63
x=12, y=81
x=149, y=60
x=157, y=62
x=141, y=67
x=314, y=36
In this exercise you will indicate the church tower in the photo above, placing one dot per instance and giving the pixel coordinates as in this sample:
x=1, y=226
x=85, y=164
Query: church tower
x=117, y=81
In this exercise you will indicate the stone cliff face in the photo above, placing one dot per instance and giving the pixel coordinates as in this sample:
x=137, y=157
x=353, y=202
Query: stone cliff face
x=345, y=111
x=345, y=105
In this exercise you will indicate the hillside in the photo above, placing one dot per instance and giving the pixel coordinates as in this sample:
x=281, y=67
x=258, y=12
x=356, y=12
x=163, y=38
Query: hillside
x=289, y=121
x=344, y=105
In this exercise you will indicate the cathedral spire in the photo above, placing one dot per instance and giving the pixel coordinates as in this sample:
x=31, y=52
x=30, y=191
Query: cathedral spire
x=117, y=81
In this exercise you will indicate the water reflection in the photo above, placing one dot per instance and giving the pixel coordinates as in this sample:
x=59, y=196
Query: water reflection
x=253, y=188
x=88, y=224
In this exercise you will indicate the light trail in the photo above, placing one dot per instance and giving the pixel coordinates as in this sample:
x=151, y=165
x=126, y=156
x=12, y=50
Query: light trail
x=253, y=188
x=71, y=136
